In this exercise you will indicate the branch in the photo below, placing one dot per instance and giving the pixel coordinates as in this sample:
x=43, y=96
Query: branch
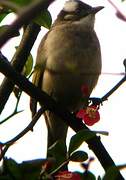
x=15, y=110
x=105, y=97
x=21, y=134
x=94, y=143
x=24, y=17
x=98, y=101
x=9, y=5
x=119, y=14
x=19, y=60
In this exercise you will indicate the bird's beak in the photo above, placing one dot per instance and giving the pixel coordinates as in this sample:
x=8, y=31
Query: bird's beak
x=97, y=9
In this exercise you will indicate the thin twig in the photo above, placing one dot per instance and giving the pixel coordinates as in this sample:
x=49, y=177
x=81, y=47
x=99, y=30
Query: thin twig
x=25, y=16
x=98, y=101
x=119, y=14
x=10, y=116
x=19, y=59
x=15, y=112
x=21, y=134
x=10, y=5
x=106, y=96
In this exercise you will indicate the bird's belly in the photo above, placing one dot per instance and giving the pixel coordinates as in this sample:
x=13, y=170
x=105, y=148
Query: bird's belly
x=66, y=88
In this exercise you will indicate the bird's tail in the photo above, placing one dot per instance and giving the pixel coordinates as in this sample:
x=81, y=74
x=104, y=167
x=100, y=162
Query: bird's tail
x=57, y=132
x=57, y=128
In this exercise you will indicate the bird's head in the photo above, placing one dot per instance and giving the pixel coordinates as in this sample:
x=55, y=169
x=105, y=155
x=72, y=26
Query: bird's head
x=75, y=11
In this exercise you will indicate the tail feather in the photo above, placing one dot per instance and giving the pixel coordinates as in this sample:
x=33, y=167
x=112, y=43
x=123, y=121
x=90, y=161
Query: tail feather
x=57, y=128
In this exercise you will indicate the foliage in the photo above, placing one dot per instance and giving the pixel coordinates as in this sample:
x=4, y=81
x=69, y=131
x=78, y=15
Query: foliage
x=44, y=19
x=48, y=168
x=22, y=2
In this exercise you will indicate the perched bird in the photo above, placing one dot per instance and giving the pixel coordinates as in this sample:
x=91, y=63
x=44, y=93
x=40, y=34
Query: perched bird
x=68, y=58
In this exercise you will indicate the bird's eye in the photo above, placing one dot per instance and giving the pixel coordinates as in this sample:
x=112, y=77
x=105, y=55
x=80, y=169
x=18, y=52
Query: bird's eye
x=69, y=17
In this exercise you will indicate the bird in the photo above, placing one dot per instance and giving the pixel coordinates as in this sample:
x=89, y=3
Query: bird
x=68, y=58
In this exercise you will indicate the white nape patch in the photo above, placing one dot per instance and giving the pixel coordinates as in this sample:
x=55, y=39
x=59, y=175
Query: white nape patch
x=70, y=6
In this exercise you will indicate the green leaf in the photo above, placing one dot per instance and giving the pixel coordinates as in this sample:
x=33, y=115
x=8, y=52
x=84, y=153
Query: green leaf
x=22, y=2
x=89, y=176
x=2, y=16
x=28, y=66
x=13, y=168
x=4, y=12
x=78, y=139
x=44, y=19
x=79, y=156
